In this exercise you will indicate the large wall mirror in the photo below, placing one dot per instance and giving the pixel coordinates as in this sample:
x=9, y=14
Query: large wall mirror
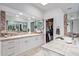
x=71, y=23
x=36, y=25
x=27, y=24
x=39, y=25
x=15, y=24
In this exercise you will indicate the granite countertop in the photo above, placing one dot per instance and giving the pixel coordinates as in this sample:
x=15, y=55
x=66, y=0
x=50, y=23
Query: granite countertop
x=62, y=48
x=19, y=36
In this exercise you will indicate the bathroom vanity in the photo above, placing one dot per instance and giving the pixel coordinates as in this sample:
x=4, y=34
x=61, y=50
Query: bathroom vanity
x=19, y=34
x=18, y=45
x=60, y=48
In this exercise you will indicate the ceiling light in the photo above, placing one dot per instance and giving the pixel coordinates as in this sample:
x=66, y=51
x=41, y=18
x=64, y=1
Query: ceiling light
x=43, y=3
x=29, y=18
x=20, y=13
x=33, y=17
x=17, y=15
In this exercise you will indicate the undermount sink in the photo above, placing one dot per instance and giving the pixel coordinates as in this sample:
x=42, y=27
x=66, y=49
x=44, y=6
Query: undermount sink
x=67, y=40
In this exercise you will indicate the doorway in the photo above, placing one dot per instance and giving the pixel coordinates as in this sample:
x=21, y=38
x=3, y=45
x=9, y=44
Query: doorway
x=49, y=30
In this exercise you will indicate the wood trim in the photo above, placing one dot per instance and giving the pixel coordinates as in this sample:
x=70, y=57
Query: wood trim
x=2, y=20
x=65, y=24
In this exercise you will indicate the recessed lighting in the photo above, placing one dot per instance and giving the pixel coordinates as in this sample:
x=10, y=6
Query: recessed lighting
x=17, y=15
x=33, y=17
x=20, y=13
x=29, y=18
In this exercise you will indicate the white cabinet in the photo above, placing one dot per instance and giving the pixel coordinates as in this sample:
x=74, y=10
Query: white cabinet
x=36, y=41
x=8, y=48
x=24, y=45
x=19, y=45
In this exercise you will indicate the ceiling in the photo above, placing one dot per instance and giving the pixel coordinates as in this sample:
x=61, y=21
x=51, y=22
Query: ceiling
x=63, y=6
x=47, y=7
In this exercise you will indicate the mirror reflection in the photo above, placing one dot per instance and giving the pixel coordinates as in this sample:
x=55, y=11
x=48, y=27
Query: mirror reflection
x=22, y=25
x=17, y=26
x=73, y=23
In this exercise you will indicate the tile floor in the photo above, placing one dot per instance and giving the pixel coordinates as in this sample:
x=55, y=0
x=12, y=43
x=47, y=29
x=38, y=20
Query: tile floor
x=39, y=53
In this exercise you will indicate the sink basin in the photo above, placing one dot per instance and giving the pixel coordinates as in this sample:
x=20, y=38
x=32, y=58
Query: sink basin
x=68, y=40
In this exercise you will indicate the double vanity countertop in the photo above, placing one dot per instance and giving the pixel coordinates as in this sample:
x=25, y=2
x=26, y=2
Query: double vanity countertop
x=61, y=47
x=19, y=36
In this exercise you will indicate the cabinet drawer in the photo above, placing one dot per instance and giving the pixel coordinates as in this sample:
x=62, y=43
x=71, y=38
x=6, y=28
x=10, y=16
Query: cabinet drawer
x=11, y=54
x=7, y=43
x=22, y=45
x=8, y=48
x=8, y=51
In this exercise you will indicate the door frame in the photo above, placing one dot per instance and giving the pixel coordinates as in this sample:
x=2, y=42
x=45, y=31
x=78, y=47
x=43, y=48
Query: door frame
x=53, y=26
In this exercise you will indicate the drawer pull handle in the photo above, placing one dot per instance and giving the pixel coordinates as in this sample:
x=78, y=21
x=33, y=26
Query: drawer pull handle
x=11, y=47
x=11, y=54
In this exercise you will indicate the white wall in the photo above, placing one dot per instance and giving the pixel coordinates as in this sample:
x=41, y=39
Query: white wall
x=75, y=26
x=33, y=11
x=58, y=16
x=78, y=26
x=75, y=21
x=27, y=10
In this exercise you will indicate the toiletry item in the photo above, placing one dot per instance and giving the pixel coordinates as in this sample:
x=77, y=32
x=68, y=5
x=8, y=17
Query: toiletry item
x=58, y=31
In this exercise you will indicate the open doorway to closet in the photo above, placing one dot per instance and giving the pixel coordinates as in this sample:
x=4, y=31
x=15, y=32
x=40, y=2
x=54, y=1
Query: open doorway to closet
x=49, y=29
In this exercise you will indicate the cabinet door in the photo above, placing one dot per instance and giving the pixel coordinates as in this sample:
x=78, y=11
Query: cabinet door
x=35, y=41
x=32, y=42
x=25, y=43
x=39, y=40
x=8, y=48
x=18, y=46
